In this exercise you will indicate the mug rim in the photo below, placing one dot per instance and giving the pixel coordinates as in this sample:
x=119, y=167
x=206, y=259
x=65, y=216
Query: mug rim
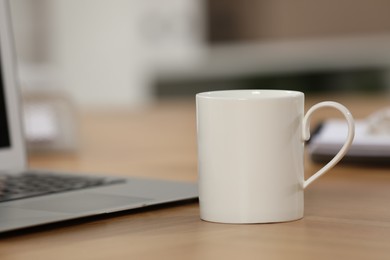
x=249, y=94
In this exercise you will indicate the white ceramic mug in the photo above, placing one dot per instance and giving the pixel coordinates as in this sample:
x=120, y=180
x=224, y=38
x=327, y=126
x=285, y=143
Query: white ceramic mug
x=250, y=154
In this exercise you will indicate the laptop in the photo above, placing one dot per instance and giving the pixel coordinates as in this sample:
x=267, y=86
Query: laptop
x=30, y=198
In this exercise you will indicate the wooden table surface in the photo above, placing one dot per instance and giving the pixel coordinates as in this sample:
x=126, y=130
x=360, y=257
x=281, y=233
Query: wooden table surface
x=347, y=212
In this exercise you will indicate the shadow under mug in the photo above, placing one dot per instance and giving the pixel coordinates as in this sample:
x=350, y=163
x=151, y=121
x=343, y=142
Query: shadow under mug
x=251, y=154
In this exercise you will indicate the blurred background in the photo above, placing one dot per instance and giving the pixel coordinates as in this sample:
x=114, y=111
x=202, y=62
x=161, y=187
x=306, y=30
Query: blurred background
x=129, y=53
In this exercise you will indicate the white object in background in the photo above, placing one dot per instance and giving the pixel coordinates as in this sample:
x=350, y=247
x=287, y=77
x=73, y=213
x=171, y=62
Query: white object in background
x=250, y=150
x=379, y=123
x=40, y=123
x=50, y=123
x=371, y=143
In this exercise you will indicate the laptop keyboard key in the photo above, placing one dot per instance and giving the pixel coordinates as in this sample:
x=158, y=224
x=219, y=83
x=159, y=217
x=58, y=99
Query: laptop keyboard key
x=30, y=184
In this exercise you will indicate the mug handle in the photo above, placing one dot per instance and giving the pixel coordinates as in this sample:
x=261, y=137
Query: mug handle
x=306, y=136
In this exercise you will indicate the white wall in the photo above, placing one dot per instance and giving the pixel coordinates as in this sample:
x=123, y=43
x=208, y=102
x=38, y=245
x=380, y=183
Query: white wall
x=103, y=51
x=96, y=52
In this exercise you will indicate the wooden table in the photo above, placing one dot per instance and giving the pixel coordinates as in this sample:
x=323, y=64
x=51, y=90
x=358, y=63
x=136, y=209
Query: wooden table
x=347, y=212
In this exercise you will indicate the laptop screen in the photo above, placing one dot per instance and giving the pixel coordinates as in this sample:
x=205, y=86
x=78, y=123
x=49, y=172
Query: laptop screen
x=4, y=131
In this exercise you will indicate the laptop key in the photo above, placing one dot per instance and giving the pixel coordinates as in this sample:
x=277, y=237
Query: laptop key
x=34, y=184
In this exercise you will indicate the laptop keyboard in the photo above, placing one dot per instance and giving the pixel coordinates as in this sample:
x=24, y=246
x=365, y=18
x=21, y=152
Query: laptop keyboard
x=31, y=184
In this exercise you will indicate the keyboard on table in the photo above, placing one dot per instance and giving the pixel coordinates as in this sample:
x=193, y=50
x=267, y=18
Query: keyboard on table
x=31, y=184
